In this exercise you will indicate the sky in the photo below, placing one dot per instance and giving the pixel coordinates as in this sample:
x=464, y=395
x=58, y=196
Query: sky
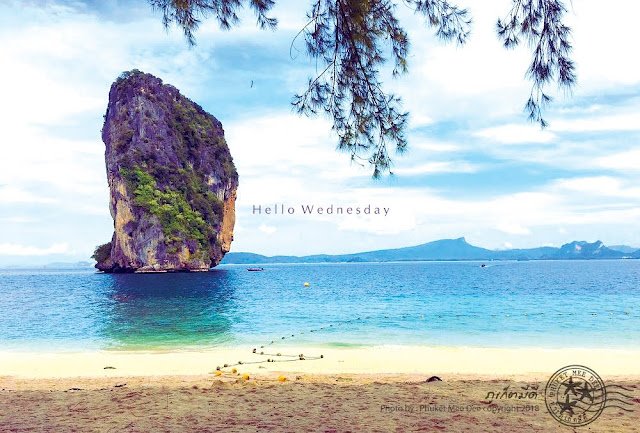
x=475, y=166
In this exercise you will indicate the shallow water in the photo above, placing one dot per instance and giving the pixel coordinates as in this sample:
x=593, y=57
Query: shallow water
x=505, y=304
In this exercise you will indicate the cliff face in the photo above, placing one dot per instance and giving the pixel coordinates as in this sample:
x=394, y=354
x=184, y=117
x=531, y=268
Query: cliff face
x=172, y=180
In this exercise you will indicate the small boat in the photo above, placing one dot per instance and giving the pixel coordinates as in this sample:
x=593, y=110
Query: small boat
x=255, y=269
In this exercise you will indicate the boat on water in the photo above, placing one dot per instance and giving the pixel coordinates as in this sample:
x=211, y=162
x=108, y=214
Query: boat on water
x=255, y=269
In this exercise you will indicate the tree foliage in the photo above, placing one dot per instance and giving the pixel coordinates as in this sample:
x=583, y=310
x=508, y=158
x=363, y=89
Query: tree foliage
x=348, y=38
x=351, y=40
x=539, y=22
x=187, y=14
x=102, y=252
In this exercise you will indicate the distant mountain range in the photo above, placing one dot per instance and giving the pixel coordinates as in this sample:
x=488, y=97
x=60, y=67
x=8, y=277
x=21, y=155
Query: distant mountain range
x=444, y=250
x=623, y=248
x=54, y=265
x=451, y=249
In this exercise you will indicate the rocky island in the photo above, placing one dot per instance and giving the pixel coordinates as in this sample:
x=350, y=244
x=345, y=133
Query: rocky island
x=171, y=177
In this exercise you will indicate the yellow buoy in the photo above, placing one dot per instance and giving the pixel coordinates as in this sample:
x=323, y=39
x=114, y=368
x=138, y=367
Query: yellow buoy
x=218, y=373
x=245, y=376
x=306, y=284
x=234, y=370
x=281, y=378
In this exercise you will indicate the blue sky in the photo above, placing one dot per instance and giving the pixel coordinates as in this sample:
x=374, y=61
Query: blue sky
x=475, y=168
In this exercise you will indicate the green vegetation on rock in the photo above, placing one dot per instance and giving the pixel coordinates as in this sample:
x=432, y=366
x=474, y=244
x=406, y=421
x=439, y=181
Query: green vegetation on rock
x=178, y=218
x=102, y=252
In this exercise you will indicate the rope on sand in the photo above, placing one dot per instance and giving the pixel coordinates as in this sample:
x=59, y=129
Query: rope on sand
x=283, y=357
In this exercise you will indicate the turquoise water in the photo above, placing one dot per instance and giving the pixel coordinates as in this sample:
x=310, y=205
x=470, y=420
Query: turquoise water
x=505, y=304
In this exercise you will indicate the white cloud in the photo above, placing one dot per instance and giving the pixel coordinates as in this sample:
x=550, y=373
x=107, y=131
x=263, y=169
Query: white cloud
x=517, y=133
x=19, y=220
x=602, y=57
x=7, y=249
x=621, y=161
x=513, y=229
x=430, y=146
x=396, y=222
x=616, y=122
x=438, y=167
x=604, y=186
x=419, y=120
x=267, y=229
x=11, y=194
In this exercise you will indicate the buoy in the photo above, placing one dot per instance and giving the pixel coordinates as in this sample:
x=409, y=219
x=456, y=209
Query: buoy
x=245, y=376
x=218, y=373
x=306, y=284
x=281, y=378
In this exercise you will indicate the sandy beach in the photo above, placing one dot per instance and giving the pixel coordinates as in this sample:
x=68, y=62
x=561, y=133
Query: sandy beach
x=539, y=362
x=359, y=390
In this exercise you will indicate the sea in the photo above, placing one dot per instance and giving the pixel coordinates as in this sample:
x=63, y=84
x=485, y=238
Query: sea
x=547, y=304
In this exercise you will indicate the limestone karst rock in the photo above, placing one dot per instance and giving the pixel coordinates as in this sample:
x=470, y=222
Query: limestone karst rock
x=171, y=177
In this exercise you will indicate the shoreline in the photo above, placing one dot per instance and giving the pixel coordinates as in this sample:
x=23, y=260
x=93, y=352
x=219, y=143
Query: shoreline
x=388, y=359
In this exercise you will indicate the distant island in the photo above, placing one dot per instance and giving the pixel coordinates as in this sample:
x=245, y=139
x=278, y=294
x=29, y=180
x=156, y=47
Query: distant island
x=451, y=250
